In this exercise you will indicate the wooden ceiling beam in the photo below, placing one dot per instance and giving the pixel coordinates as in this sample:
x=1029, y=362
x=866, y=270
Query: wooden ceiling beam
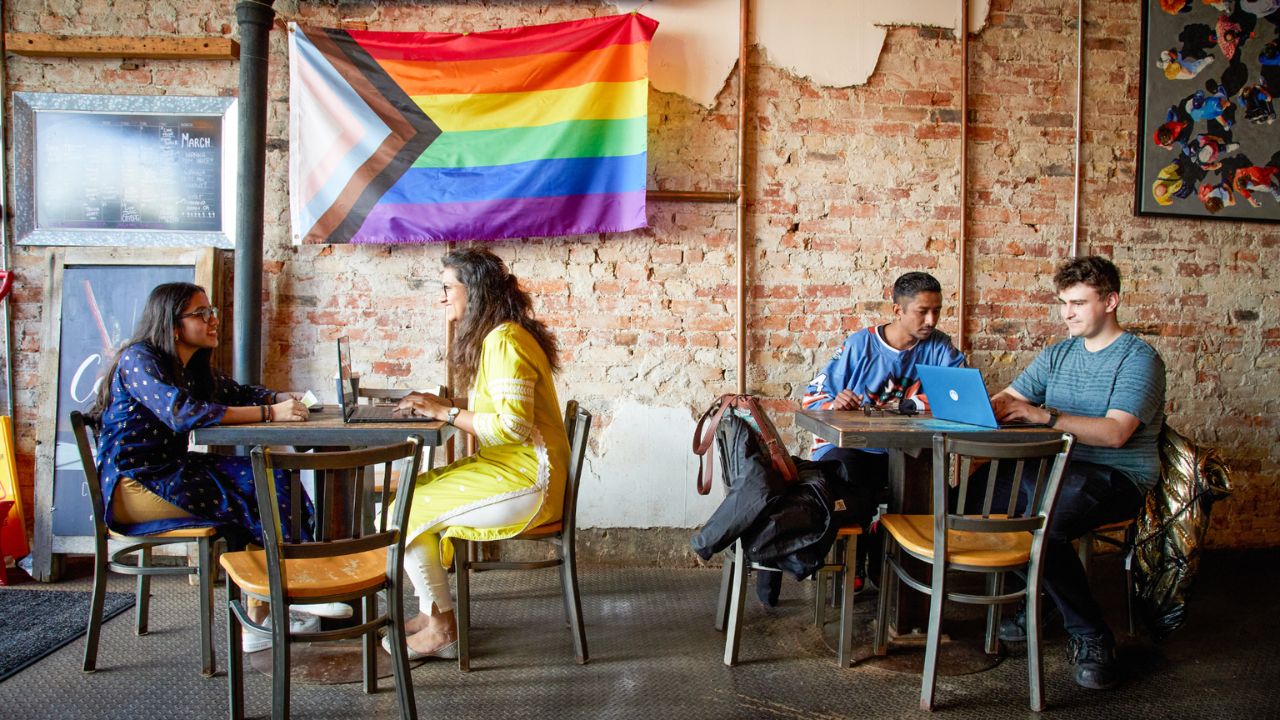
x=97, y=46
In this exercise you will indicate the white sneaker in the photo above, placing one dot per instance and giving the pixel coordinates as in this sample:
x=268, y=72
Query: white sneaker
x=324, y=610
x=252, y=641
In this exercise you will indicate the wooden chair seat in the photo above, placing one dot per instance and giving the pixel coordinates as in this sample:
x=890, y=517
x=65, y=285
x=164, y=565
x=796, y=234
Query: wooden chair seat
x=192, y=532
x=309, y=577
x=551, y=529
x=849, y=531
x=988, y=550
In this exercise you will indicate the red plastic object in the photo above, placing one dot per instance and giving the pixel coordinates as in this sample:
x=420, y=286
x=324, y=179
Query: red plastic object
x=4, y=516
x=6, y=283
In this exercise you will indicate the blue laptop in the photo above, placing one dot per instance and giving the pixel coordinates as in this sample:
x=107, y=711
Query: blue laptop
x=958, y=394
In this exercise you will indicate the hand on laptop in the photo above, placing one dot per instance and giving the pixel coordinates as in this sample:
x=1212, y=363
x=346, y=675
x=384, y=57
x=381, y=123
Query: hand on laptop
x=845, y=400
x=1008, y=407
x=424, y=405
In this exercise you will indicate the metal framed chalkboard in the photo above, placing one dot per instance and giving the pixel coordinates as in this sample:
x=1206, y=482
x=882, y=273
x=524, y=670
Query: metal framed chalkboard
x=124, y=170
x=92, y=302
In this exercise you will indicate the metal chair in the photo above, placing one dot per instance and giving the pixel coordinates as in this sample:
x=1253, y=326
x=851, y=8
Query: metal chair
x=560, y=534
x=354, y=568
x=990, y=543
x=1128, y=530
x=120, y=561
x=733, y=589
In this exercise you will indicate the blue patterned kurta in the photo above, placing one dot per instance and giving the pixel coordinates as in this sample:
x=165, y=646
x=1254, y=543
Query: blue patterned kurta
x=144, y=436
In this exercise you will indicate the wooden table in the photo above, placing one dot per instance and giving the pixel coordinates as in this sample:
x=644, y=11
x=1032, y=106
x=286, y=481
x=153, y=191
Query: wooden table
x=330, y=662
x=909, y=440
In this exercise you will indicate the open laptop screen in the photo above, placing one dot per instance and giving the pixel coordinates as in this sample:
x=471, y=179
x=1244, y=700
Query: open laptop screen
x=346, y=389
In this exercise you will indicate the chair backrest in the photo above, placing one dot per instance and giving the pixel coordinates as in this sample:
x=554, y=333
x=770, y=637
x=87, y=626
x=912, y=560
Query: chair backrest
x=1032, y=486
x=330, y=468
x=577, y=425
x=85, y=431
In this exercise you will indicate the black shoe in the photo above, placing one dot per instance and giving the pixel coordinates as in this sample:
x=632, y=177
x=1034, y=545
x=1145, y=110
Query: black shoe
x=1014, y=629
x=768, y=586
x=1095, y=659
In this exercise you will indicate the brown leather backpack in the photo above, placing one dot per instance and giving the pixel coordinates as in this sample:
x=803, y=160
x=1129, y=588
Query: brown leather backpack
x=748, y=408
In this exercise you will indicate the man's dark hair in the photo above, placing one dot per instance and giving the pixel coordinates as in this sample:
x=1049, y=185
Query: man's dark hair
x=912, y=284
x=1096, y=272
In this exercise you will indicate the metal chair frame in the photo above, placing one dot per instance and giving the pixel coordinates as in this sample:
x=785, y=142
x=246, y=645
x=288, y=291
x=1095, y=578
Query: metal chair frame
x=384, y=536
x=1051, y=457
x=134, y=558
x=1126, y=546
x=842, y=561
x=577, y=422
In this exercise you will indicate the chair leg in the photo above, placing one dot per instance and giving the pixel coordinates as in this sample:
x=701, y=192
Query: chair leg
x=368, y=642
x=1034, y=669
x=400, y=656
x=995, y=586
x=462, y=569
x=573, y=600
x=142, y=611
x=880, y=646
x=281, y=662
x=938, y=598
x=235, y=660
x=1085, y=549
x=726, y=585
x=845, y=655
x=204, y=573
x=820, y=597
x=736, y=599
x=94, y=630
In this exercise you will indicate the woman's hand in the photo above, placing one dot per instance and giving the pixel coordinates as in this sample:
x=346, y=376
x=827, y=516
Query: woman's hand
x=424, y=405
x=290, y=410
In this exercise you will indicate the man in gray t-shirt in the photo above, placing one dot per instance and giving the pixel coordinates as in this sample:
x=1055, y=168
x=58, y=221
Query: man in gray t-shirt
x=1106, y=387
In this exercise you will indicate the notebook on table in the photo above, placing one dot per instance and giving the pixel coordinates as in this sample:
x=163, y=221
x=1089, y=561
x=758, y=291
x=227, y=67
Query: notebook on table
x=352, y=411
x=959, y=394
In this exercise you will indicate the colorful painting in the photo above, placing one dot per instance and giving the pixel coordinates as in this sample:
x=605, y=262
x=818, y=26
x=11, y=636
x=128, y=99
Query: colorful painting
x=407, y=137
x=1209, y=142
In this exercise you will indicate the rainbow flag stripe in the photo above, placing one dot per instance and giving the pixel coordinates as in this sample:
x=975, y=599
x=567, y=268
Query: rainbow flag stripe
x=402, y=137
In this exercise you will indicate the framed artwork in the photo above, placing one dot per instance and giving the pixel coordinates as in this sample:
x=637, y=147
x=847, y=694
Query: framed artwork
x=122, y=170
x=92, y=302
x=1208, y=136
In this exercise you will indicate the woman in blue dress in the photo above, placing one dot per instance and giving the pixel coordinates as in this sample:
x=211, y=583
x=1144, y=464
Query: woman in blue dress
x=160, y=387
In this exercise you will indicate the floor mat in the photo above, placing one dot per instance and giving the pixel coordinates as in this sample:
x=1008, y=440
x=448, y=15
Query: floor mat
x=34, y=623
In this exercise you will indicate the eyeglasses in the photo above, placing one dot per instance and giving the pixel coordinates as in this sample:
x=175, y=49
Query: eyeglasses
x=205, y=314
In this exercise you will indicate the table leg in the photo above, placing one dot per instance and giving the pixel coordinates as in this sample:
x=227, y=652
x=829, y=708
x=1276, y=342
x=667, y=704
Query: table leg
x=910, y=484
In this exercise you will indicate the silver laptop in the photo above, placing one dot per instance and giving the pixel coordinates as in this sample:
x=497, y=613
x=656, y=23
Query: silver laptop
x=352, y=411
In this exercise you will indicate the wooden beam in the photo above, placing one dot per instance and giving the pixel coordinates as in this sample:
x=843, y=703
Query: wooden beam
x=97, y=46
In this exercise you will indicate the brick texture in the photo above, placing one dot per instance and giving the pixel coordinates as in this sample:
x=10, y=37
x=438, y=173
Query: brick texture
x=848, y=187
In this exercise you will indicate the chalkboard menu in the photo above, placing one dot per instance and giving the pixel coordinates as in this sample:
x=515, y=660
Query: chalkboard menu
x=140, y=172
x=124, y=170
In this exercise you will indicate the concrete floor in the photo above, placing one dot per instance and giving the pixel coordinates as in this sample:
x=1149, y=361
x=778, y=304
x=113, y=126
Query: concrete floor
x=654, y=654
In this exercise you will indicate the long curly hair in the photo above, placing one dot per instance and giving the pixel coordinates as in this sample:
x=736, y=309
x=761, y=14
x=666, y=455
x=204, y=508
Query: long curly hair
x=156, y=328
x=493, y=297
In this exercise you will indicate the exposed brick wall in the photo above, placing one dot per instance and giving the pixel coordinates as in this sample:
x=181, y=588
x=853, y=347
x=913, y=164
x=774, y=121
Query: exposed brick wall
x=848, y=188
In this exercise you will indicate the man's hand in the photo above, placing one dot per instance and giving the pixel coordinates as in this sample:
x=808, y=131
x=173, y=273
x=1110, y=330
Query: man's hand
x=845, y=400
x=1008, y=407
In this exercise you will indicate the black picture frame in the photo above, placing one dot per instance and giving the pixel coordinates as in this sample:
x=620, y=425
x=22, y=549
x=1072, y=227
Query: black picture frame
x=1204, y=87
x=124, y=170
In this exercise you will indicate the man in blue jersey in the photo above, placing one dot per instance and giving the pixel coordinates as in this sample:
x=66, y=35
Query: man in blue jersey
x=1106, y=387
x=876, y=367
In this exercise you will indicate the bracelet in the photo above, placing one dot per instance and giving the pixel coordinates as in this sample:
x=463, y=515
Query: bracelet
x=271, y=413
x=262, y=411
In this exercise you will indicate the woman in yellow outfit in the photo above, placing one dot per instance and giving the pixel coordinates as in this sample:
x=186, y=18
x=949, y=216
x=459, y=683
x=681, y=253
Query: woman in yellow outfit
x=516, y=478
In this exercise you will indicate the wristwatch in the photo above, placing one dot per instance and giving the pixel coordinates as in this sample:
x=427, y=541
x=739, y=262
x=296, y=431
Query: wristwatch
x=1053, y=415
x=453, y=414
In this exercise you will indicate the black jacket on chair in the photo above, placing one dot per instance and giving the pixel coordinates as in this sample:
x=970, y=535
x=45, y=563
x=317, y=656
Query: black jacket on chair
x=788, y=526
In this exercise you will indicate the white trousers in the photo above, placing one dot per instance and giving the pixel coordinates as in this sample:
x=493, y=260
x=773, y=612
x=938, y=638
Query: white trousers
x=422, y=555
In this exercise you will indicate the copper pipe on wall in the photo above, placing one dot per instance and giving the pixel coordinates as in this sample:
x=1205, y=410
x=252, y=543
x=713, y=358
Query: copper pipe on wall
x=743, y=16
x=696, y=196
x=1075, y=202
x=962, y=243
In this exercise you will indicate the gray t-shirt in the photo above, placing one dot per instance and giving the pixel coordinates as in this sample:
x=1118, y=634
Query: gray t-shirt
x=1126, y=375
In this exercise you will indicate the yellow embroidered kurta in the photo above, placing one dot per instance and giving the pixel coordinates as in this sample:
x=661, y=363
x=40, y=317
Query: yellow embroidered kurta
x=522, y=446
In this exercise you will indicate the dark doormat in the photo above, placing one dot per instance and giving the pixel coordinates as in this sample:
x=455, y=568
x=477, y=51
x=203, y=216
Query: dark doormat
x=34, y=623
